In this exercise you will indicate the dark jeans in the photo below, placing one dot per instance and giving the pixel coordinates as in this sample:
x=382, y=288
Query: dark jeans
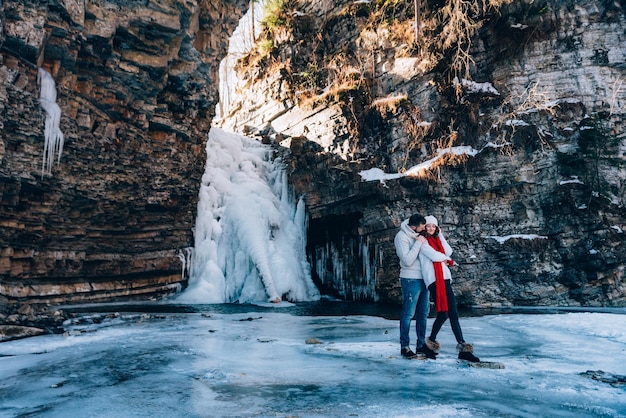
x=452, y=313
x=414, y=302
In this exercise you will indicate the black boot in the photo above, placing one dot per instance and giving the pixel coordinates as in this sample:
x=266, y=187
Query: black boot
x=407, y=353
x=427, y=352
x=466, y=352
x=466, y=355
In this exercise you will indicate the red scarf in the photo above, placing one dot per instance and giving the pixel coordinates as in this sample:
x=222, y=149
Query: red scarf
x=441, y=300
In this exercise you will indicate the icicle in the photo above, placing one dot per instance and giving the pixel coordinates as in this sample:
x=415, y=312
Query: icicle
x=53, y=144
x=356, y=283
x=185, y=258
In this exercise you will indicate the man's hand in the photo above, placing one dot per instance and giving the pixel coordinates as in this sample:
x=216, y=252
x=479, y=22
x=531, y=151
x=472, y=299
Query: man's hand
x=421, y=239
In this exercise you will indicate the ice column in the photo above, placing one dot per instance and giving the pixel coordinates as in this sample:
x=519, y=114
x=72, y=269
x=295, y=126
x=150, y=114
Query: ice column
x=185, y=258
x=53, y=144
x=250, y=234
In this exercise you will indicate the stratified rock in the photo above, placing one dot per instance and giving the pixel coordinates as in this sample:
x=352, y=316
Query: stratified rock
x=136, y=87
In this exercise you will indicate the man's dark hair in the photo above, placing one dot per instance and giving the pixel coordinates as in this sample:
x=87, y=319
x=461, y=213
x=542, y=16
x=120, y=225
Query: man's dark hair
x=417, y=220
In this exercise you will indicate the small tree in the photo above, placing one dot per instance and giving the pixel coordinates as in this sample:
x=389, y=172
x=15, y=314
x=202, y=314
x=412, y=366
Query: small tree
x=274, y=16
x=418, y=19
x=459, y=20
x=252, y=19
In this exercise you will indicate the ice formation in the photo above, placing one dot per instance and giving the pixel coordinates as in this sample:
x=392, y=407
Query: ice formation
x=53, y=144
x=250, y=234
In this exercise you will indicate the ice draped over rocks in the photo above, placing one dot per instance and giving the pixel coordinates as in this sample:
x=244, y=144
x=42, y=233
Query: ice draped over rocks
x=250, y=235
x=54, y=138
x=242, y=42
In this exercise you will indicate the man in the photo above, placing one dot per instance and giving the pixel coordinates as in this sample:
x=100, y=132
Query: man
x=415, y=297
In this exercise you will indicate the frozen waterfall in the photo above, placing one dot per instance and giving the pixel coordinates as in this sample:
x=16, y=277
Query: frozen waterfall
x=53, y=144
x=250, y=234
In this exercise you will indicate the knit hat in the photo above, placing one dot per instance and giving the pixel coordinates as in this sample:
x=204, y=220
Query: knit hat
x=431, y=220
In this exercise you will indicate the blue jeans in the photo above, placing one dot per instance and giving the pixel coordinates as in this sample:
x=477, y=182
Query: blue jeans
x=415, y=300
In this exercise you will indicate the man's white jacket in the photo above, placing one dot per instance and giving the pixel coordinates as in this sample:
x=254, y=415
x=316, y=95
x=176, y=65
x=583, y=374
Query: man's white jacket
x=408, y=248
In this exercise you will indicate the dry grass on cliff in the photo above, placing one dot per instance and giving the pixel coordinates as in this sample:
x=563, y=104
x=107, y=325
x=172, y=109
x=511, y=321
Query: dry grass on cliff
x=307, y=99
x=449, y=160
x=331, y=83
x=389, y=106
x=448, y=141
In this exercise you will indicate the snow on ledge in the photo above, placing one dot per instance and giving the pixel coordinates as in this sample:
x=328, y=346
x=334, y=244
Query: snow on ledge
x=493, y=145
x=573, y=180
x=516, y=122
x=472, y=87
x=374, y=174
x=618, y=229
x=505, y=238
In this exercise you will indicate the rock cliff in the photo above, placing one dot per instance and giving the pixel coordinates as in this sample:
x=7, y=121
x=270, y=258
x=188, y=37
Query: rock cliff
x=519, y=127
x=516, y=113
x=135, y=84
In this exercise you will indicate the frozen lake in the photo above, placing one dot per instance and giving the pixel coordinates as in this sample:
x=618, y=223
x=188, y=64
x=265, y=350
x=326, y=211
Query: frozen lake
x=253, y=360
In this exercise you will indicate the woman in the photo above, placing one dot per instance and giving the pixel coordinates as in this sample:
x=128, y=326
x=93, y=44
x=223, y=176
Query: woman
x=438, y=279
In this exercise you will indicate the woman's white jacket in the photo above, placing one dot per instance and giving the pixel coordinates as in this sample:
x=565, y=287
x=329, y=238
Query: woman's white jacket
x=408, y=248
x=428, y=255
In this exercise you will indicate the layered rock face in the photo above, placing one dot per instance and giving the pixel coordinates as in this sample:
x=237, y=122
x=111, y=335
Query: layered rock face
x=136, y=87
x=534, y=207
x=530, y=193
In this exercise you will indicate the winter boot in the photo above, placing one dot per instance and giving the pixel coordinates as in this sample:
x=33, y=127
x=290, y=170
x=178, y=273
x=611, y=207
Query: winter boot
x=464, y=355
x=466, y=351
x=407, y=353
x=433, y=345
x=427, y=352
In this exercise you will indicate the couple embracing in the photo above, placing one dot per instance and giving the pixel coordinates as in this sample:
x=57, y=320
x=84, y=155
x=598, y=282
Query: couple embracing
x=424, y=259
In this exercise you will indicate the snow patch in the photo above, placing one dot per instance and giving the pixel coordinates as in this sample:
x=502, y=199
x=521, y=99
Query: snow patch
x=573, y=180
x=374, y=174
x=505, y=238
x=516, y=122
x=472, y=87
